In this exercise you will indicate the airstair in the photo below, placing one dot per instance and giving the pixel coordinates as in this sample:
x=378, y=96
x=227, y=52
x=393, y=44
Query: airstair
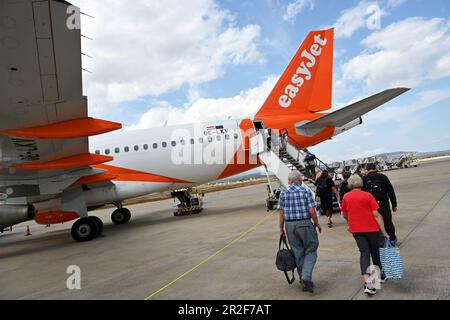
x=280, y=156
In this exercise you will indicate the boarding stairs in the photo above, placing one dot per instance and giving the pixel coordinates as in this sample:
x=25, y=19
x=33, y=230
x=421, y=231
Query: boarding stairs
x=280, y=156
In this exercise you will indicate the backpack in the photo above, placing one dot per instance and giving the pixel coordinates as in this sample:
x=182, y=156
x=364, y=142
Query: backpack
x=376, y=187
x=285, y=260
x=322, y=186
x=343, y=189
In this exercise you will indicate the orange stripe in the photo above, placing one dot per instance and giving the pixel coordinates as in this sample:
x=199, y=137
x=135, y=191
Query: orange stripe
x=124, y=174
x=247, y=128
x=76, y=161
x=239, y=163
x=66, y=129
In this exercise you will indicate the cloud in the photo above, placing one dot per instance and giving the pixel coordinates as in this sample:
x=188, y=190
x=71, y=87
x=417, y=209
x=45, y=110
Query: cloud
x=243, y=105
x=396, y=56
x=357, y=17
x=153, y=47
x=295, y=8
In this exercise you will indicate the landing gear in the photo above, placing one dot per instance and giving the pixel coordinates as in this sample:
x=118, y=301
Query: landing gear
x=121, y=215
x=86, y=229
x=99, y=223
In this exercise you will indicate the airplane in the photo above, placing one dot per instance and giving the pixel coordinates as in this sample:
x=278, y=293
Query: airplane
x=57, y=163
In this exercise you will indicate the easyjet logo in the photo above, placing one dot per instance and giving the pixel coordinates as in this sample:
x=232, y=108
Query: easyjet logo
x=303, y=72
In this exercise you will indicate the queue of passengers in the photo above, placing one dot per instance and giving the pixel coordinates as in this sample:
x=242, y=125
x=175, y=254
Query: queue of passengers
x=365, y=203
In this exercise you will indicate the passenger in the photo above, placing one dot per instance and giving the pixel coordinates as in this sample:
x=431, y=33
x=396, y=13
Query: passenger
x=343, y=188
x=381, y=188
x=297, y=208
x=310, y=161
x=359, y=208
x=325, y=189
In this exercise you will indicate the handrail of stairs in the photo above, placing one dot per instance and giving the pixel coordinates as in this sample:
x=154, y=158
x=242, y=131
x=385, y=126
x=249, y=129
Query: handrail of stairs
x=284, y=132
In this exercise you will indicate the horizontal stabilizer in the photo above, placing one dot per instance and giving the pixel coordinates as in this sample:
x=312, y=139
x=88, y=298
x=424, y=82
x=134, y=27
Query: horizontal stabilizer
x=349, y=113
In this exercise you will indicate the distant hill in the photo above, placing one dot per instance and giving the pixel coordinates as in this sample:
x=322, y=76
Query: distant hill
x=417, y=154
x=433, y=154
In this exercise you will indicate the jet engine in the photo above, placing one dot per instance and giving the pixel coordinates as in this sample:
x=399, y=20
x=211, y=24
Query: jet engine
x=14, y=214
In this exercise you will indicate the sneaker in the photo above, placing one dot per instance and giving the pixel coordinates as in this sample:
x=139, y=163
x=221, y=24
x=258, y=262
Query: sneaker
x=369, y=289
x=330, y=225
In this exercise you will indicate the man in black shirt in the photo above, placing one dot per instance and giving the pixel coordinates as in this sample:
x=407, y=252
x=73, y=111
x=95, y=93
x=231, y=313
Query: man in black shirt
x=325, y=189
x=343, y=188
x=381, y=188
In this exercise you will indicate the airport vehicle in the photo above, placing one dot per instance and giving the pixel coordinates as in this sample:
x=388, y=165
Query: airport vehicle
x=57, y=163
x=190, y=201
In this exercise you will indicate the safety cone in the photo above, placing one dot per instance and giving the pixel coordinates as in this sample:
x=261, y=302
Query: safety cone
x=28, y=231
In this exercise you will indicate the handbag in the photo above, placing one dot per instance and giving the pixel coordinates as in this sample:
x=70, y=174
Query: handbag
x=391, y=260
x=285, y=260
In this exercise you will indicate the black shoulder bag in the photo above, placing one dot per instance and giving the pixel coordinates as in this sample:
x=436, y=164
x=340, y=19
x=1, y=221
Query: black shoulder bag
x=285, y=259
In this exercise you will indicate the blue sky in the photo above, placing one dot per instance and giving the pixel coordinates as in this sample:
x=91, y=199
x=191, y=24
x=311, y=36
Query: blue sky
x=208, y=60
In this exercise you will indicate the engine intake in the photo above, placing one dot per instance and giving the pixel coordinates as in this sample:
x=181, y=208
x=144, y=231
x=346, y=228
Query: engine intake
x=14, y=214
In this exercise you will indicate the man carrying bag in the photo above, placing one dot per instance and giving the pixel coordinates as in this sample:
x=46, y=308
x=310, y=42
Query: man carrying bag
x=297, y=208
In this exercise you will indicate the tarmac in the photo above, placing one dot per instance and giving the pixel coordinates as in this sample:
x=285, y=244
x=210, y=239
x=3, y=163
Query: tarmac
x=228, y=251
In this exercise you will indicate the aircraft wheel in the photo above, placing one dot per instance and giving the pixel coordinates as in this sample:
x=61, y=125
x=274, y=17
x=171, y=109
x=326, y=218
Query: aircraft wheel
x=99, y=223
x=121, y=216
x=84, y=229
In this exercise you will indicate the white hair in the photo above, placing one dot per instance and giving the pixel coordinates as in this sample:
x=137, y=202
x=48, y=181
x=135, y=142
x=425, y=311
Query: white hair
x=355, y=182
x=294, y=175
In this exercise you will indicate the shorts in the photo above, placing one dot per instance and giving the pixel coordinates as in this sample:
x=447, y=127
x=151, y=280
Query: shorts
x=326, y=203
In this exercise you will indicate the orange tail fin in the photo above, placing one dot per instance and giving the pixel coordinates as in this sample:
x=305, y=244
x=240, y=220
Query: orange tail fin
x=305, y=86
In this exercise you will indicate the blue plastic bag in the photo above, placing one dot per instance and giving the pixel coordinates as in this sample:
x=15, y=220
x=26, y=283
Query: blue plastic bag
x=391, y=260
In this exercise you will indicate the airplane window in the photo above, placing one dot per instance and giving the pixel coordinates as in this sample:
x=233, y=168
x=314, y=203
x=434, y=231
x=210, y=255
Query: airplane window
x=106, y=151
x=164, y=144
x=236, y=136
x=210, y=139
x=192, y=141
x=155, y=145
x=173, y=143
x=97, y=151
x=227, y=137
x=200, y=140
x=116, y=150
x=126, y=149
x=218, y=138
x=145, y=146
x=136, y=148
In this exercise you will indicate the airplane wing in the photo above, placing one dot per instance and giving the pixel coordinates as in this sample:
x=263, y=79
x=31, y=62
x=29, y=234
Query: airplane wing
x=44, y=123
x=349, y=113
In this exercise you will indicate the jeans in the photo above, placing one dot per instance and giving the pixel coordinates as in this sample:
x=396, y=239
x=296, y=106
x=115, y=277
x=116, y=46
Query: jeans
x=368, y=247
x=303, y=239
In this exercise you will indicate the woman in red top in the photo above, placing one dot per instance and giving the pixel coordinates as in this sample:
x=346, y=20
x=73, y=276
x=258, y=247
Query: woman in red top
x=359, y=208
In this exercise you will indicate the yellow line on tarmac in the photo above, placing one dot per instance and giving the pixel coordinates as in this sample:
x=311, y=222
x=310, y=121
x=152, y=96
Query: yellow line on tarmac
x=260, y=222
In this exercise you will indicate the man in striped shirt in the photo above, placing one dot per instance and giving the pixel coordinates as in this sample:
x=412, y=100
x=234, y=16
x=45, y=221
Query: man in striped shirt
x=297, y=208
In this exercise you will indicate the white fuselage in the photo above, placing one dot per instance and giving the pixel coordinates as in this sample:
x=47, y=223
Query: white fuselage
x=193, y=153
